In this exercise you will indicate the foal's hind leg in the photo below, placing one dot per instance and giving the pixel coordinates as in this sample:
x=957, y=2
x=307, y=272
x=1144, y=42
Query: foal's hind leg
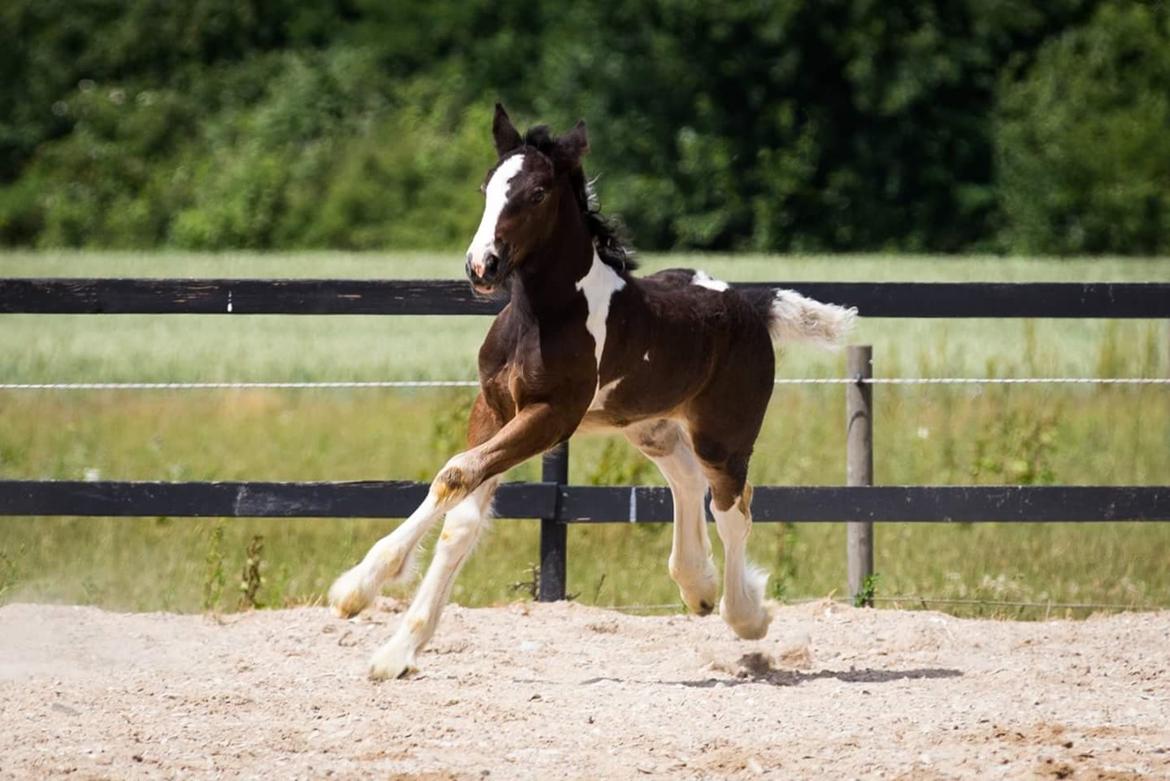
x=742, y=606
x=665, y=443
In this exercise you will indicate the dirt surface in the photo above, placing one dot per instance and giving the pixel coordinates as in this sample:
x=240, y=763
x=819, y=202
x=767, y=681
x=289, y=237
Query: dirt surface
x=563, y=691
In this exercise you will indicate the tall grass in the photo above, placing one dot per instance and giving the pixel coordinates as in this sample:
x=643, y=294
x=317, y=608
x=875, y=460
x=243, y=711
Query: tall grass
x=924, y=434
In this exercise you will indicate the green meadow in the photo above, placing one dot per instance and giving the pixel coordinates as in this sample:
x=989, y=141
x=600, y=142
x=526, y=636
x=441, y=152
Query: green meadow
x=1036, y=434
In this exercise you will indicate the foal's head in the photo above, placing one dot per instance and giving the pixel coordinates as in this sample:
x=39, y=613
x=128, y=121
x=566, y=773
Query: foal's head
x=523, y=193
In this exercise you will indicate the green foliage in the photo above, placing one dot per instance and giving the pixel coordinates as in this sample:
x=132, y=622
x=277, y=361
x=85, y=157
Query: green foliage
x=411, y=182
x=1017, y=448
x=785, y=567
x=865, y=595
x=448, y=431
x=1084, y=152
x=620, y=464
x=799, y=126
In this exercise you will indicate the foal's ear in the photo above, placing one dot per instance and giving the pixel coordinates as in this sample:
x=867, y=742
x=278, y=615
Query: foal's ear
x=574, y=144
x=504, y=132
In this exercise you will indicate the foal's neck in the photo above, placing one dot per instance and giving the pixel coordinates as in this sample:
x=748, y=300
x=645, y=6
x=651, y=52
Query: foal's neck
x=546, y=285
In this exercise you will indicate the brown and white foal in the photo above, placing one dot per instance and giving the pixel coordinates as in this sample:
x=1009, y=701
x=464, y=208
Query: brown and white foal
x=677, y=361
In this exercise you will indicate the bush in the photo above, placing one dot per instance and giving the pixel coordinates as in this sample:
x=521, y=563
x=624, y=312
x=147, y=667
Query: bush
x=1083, y=139
x=740, y=125
x=411, y=180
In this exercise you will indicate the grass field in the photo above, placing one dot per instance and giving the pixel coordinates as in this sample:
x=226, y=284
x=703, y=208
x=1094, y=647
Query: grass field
x=1033, y=434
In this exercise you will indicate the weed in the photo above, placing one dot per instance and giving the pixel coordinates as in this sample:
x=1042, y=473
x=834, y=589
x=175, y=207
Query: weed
x=531, y=584
x=784, y=575
x=251, y=580
x=865, y=595
x=9, y=577
x=597, y=590
x=214, y=578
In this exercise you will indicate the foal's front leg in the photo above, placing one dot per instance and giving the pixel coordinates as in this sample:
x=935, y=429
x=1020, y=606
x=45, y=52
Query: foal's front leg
x=461, y=531
x=391, y=559
x=535, y=429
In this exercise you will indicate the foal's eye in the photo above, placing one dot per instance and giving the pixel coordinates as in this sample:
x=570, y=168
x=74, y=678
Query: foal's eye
x=538, y=195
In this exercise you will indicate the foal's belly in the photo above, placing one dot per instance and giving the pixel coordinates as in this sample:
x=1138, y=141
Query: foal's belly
x=640, y=396
x=603, y=422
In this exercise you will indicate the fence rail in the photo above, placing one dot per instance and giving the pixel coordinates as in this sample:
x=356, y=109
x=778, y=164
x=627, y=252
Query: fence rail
x=554, y=501
x=562, y=504
x=451, y=297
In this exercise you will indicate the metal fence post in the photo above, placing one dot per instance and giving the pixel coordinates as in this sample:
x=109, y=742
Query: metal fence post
x=859, y=463
x=553, y=531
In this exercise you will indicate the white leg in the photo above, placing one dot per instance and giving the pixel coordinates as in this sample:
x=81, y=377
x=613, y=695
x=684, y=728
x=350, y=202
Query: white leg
x=691, y=565
x=391, y=559
x=742, y=606
x=464, y=524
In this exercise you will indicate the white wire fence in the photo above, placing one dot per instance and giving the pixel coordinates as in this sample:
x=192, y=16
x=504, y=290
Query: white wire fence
x=371, y=384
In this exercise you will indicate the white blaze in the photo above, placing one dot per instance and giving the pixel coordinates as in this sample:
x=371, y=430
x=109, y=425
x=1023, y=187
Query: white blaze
x=496, y=198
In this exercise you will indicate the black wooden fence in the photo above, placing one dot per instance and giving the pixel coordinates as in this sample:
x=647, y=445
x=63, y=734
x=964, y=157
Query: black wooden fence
x=554, y=501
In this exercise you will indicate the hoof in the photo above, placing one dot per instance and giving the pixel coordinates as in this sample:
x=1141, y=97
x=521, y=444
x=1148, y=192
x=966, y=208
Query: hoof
x=753, y=631
x=698, y=594
x=700, y=606
x=349, y=594
x=750, y=618
x=391, y=662
x=752, y=627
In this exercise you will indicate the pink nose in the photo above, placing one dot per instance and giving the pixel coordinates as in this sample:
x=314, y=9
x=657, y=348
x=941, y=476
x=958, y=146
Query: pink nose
x=483, y=267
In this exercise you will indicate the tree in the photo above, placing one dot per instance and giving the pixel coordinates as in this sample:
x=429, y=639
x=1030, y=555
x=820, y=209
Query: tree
x=1083, y=138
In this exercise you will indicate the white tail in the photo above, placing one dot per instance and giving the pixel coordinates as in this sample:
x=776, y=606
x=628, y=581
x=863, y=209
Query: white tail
x=795, y=318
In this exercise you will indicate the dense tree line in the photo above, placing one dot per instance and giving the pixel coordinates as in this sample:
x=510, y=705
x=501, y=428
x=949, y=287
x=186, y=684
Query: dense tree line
x=803, y=125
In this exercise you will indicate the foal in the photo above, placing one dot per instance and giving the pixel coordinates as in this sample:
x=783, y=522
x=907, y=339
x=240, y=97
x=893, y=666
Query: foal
x=677, y=361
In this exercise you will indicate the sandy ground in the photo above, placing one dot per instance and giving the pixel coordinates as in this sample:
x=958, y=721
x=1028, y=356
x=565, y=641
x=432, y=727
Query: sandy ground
x=563, y=691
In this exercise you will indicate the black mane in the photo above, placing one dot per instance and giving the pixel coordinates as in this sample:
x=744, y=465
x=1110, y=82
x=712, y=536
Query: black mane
x=606, y=232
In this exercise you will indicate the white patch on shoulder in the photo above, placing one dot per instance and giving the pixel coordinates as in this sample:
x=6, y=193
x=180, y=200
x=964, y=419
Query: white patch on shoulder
x=496, y=198
x=646, y=356
x=599, y=285
x=703, y=279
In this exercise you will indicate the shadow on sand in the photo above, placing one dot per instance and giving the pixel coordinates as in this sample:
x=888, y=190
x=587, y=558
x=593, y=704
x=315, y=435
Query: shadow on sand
x=756, y=668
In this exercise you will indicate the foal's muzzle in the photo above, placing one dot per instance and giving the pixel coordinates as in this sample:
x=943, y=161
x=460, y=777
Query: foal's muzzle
x=488, y=272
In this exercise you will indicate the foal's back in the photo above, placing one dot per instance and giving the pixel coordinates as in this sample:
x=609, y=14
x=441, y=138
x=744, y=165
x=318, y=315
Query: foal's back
x=678, y=338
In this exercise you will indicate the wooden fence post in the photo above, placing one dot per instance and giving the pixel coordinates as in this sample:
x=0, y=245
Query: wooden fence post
x=859, y=463
x=553, y=531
